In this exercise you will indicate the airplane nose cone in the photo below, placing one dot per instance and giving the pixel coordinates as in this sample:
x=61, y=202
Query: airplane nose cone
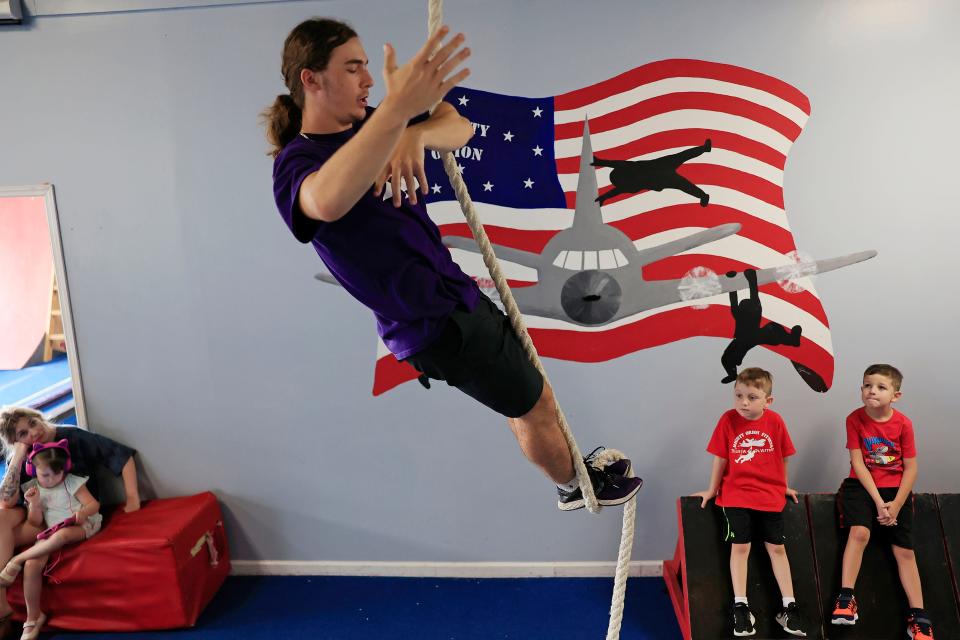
x=591, y=297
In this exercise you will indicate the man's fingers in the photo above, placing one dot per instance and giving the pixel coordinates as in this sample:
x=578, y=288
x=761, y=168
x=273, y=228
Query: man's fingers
x=454, y=81
x=389, y=58
x=446, y=50
x=411, y=191
x=422, y=178
x=447, y=67
x=395, y=185
x=427, y=49
x=378, y=184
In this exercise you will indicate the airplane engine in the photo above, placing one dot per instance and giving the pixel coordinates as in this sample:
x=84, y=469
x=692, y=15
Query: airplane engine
x=591, y=297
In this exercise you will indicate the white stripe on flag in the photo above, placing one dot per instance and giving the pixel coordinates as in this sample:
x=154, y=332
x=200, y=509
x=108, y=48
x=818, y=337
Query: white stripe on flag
x=677, y=85
x=671, y=121
x=653, y=200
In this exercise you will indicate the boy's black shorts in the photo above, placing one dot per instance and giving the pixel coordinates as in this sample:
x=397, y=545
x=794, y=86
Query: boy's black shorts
x=741, y=524
x=479, y=353
x=856, y=508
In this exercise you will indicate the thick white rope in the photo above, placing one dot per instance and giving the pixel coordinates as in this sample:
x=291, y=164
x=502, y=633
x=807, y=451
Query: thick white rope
x=435, y=18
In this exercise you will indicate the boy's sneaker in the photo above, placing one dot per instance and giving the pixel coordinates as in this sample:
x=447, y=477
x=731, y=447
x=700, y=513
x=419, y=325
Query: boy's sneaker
x=610, y=490
x=792, y=620
x=845, y=610
x=743, y=620
x=919, y=627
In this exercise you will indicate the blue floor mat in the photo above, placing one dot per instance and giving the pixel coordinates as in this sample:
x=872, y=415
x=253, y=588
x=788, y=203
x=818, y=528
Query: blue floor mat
x=354, y=608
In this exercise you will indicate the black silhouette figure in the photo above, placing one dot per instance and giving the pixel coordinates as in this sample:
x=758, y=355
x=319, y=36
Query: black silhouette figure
x=631, y=176
x=748, y=333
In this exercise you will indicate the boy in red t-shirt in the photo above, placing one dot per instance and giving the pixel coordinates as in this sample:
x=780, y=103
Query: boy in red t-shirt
x=883, y=468
x=749, y=479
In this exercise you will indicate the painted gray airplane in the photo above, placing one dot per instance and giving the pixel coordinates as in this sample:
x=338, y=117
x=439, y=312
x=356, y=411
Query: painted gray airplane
x=592, y=274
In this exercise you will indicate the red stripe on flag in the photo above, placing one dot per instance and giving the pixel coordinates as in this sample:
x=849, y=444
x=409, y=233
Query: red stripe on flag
x=390, y=372
x=676, y=101
x=693, y=215
x=681, y=68
x=678, y=138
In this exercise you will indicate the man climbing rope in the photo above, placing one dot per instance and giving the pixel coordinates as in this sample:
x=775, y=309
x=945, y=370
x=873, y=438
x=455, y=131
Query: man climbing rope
x=345, y=179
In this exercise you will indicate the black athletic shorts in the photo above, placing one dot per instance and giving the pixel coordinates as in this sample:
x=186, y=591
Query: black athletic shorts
x=479, y=353
x=856, y=508
x=742, y=524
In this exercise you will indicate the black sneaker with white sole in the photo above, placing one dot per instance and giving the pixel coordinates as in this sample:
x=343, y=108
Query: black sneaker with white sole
x=610, y=490
x=743, y=620
x=792, y=620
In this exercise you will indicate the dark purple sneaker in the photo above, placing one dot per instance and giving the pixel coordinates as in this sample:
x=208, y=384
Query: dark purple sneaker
x=601, y=458
x=610, y=490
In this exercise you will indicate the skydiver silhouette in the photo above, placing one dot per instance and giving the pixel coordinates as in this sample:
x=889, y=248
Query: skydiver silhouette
x=631, y=176
x=747, y=332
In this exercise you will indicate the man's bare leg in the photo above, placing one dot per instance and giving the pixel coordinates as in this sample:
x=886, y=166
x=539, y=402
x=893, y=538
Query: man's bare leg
x=541, y=439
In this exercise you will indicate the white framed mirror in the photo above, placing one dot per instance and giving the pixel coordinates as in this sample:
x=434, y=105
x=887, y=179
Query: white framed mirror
x=23, y=267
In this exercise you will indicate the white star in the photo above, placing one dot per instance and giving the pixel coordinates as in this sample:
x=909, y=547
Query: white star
x=460, y=169
x=436, y=188
x=528, y=183
x=537, y=151
x=508, y=137
x=464, y=100
x=487, y=186
x=537, y=112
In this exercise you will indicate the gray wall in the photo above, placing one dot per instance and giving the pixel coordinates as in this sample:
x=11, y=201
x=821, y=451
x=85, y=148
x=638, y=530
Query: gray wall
x=205, y=343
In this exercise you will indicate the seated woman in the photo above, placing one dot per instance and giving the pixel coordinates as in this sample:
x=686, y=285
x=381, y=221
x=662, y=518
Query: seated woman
x=20, y=429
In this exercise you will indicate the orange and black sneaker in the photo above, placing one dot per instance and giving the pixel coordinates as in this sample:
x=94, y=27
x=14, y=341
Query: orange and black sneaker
x=919, y=627
x=845, y=611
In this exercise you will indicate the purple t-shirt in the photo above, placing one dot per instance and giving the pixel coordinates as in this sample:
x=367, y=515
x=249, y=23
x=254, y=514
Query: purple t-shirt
x=389, y=258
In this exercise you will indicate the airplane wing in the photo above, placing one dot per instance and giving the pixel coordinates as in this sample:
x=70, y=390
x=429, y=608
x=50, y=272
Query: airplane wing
x=773, y=274
x=661, y=293
x=525, y=258
x=669, y=249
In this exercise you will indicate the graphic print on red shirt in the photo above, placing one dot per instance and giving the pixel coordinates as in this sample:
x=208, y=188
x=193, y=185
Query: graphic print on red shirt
x=754, y=476
x=883, y=445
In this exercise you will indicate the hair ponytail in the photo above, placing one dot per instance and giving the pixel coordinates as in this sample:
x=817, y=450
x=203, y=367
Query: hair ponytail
x=282, y=120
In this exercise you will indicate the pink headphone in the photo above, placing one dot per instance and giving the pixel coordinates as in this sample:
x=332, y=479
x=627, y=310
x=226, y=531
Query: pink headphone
x=38, y=447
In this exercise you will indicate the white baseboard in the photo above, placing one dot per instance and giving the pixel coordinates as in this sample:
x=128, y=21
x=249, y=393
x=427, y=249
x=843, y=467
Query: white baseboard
x=639, y=568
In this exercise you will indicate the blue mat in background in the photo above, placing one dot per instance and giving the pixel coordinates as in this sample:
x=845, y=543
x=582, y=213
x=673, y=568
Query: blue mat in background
x=15, y=385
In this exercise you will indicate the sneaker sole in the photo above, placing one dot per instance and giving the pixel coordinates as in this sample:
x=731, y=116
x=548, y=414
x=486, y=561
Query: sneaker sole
x=579, y=504
x=845, y=621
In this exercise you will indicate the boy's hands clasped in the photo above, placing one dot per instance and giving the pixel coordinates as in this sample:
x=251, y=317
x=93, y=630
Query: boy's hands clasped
x=887, y=513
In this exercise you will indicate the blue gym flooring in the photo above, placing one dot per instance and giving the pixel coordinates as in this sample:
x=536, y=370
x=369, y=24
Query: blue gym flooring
x=46, y=387
x=351, y=608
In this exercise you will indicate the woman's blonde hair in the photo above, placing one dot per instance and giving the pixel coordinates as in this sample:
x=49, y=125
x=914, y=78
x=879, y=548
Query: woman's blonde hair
x=9, y=417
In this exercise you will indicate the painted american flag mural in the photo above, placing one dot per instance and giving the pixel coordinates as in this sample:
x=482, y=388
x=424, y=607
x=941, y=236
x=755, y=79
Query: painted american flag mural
x=522, y=167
